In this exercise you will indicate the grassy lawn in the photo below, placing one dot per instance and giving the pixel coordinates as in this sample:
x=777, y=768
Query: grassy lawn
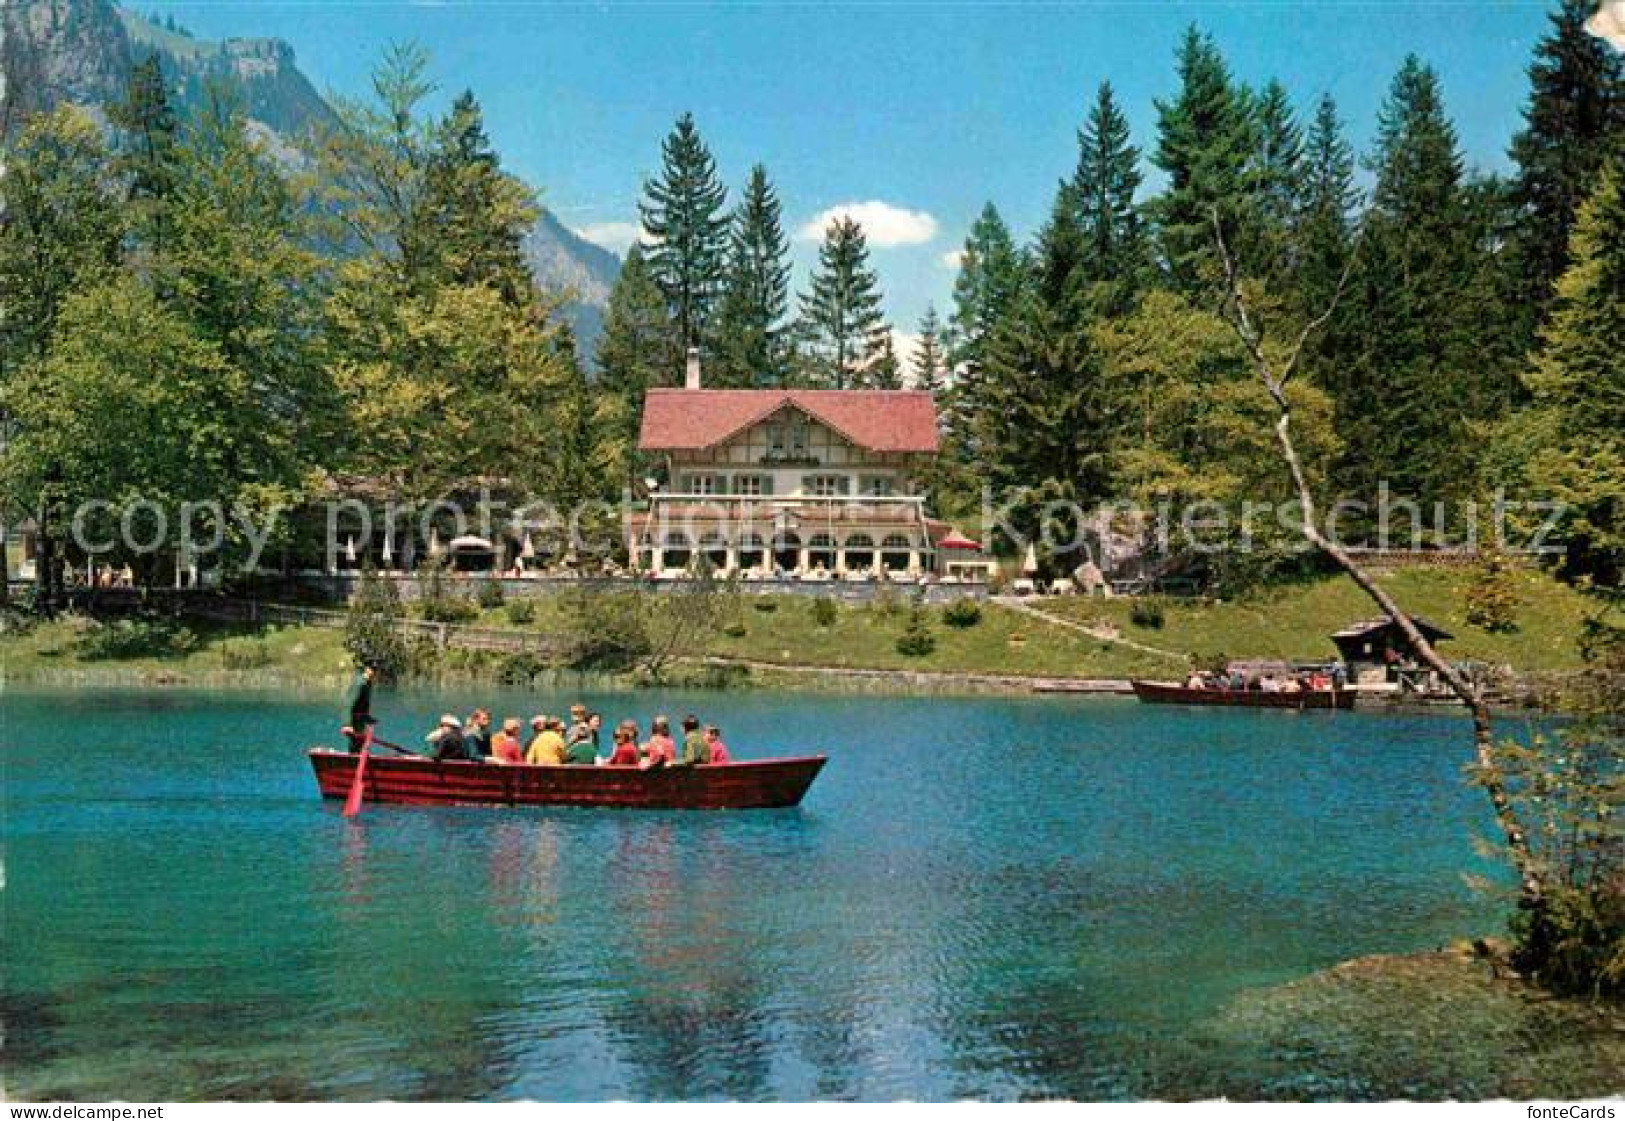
x=782, y=630
x=1296, y=621
x=221, y=653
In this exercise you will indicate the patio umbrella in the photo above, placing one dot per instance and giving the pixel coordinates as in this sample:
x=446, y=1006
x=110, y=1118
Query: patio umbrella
x=349, y=549
x=1029, y=564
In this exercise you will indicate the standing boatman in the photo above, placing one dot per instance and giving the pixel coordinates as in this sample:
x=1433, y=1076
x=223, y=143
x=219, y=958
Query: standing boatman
x=360, y=707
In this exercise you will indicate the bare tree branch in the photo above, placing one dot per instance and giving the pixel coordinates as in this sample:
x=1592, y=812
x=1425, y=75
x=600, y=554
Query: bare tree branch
x=1234, y=305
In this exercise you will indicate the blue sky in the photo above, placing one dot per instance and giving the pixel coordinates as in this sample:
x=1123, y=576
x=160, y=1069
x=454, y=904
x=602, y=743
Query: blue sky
x=927, y=108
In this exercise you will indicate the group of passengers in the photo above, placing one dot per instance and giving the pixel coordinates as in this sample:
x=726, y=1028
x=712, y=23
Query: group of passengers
x=1234, y=680
x=553, y=743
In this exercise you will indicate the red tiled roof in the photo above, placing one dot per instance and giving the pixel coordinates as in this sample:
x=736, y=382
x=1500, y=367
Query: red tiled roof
x=880, y=420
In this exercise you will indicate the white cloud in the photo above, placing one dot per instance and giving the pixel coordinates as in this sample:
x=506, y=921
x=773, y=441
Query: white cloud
x=885, y=225
x=1608, y=22
x=616, y=236
x=952, y=259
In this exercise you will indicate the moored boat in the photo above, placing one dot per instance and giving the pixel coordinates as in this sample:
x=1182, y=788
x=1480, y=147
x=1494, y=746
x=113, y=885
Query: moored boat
x=1171, y=693
x=414, y=780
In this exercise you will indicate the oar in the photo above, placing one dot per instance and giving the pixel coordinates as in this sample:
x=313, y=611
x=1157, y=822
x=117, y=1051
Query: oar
x=398, y=749
x=352, y=803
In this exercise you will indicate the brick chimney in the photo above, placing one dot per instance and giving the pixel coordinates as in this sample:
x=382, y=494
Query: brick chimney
x=691, y=376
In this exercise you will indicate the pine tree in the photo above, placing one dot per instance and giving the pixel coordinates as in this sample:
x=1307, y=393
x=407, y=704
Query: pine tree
x=146, y=124
x=842, y=328
x=469, y=225
x=1574, y=122
x=1104, y=184
x=1324, y=240
x=685, y=224
x=1204, y=140
x=1043, y=413
x=1277, y=178
x=992, y=273
x=749, y=330
x=1418, y=375
x=637, y=352
x=990, y=276
x=930, y=362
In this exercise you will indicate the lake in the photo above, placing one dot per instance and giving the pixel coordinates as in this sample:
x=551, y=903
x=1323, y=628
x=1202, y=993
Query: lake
x=980, y=897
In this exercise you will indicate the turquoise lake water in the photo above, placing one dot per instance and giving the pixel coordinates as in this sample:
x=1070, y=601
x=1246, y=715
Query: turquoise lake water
x=980, y=897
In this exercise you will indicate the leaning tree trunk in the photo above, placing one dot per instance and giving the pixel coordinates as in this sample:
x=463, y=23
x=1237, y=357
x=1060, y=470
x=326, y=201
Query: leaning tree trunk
x=1275, y=376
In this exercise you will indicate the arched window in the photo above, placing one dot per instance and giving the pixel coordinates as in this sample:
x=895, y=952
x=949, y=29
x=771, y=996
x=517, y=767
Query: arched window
x=821, y=550
x=894, y=552
x=860, y=552
x=679, y=549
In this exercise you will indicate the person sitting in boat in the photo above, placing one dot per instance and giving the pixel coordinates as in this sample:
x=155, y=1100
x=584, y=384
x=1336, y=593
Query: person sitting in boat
x=1195, y=680
x=714, y=744
x=1290, y=685
x=505, y=745
x=695, y=750
x=578, y=725
x=447, y=739
x=661, y=749
x=547, y=749
x=625, y=753
x=477, y=734
x=581, y=752
x=595, y=725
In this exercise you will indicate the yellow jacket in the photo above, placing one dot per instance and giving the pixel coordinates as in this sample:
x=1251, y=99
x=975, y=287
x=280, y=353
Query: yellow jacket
x=547, y=748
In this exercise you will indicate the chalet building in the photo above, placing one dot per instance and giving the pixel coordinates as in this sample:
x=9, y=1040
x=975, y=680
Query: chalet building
x=797, y=483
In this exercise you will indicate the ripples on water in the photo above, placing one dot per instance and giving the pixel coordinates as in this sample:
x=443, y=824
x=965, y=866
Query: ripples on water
x=999, y=898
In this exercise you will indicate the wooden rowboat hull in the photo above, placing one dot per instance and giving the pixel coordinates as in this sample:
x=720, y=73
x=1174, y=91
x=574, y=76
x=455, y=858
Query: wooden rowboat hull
x=1167, y=693
x=751, y=785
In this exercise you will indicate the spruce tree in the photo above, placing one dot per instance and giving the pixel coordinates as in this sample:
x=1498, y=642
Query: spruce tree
x=1575, y=427
x=1418, y=375
x=929, y=367
x=842, y=328
x=145, y=121
x=992, y=273
x=1204, y=141
x=1044, y=409
x=470, y=223
x=636, y=352
x=749, y=332
x=1324, y=239
x=1574, y=121
x=1104, y=184
x=684, y=221
x=1277, y=178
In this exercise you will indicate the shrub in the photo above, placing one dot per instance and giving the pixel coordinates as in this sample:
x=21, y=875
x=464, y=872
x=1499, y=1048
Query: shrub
x=1566, y=789
x=1148, y=613
x=764, y=605
x=962, y=613
x=136, y=638
x=887, y=602
x=519, y=669
x=735, y=630
x=491, y=595
x=605, y=630
x=440, y=603
x=372, y=631
x=916, y=641
x=521, y=612
x=247, y=654
x=824, y=612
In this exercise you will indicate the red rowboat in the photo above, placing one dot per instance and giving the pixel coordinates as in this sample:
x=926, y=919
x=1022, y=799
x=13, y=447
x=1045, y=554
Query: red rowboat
x=1168, y=693
x=750, y=785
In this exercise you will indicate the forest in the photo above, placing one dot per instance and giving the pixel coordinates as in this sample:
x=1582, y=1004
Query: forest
x=189, y=316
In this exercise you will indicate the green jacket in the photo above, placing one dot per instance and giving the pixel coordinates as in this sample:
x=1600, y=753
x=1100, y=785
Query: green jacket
x=695, y=749
x=581, y=752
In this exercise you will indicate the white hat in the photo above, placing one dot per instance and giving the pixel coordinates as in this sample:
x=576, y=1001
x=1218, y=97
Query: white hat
x=450, y=721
